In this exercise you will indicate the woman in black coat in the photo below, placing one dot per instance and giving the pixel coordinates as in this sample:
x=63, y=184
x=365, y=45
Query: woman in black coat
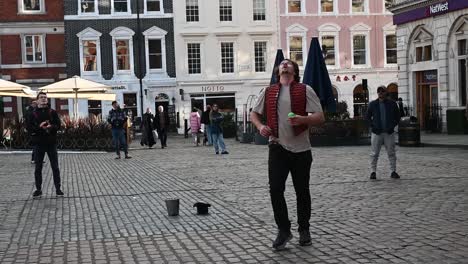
x=147, y=129
x=161, y=123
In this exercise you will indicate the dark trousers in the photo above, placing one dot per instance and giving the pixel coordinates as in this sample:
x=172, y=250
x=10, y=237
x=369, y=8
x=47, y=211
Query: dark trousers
x=280, y=163
x=33, y=152
x=40, y=151
x=118, y=136
x=163, y=136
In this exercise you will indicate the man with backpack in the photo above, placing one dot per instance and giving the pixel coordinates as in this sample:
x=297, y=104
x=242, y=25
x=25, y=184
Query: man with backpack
x=43, y=125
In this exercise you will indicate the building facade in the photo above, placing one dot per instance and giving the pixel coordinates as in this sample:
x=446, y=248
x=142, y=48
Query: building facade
x=432, y=57
x=31, y=49
x=225, y=52
x=358, y=41
x=117, y=42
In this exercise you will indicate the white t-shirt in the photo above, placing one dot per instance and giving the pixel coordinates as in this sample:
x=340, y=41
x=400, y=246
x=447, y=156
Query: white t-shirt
x=286, y=136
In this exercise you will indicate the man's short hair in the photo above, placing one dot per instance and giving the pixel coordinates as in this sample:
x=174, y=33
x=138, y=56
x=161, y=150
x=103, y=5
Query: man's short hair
x=114, y=102
x=381, y=88
x=39, y=94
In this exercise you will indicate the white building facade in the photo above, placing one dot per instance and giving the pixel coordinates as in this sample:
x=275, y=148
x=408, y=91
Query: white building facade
x=432, y=57
x=225, y=50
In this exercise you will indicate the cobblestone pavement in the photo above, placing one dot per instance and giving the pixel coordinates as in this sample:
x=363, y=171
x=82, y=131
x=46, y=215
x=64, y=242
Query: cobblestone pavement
x=114, y=210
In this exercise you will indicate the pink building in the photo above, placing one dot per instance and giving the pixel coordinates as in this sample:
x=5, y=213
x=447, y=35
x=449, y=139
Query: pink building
x=358, y=41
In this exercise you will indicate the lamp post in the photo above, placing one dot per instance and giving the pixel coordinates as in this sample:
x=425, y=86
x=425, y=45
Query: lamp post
x=140, y=57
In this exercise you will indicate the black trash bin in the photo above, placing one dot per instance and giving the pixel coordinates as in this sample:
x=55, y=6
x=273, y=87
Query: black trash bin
x=409, y=133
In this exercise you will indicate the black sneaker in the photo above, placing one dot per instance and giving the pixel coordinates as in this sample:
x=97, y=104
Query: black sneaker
x=59, y=192
x=224, y=152
x=37, y=194
x=281, y=240
x=373, y=176
x=128, y=157
x=394, y=175
x=217, y=152
x=304, y=238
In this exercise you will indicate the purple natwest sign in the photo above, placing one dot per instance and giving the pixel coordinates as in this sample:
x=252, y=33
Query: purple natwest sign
x=429, y=11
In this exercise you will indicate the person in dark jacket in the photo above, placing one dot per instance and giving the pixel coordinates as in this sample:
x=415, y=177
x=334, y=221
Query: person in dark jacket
x=205, y=120
x=401, y=107
x=217, y=130
x=117, y=119
x=383, y=116
x=147, y=129
x=43, y=125
x=161, y=123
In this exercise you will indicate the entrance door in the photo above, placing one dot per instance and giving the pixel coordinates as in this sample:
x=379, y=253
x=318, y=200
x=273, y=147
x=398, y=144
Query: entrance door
x=427, y=102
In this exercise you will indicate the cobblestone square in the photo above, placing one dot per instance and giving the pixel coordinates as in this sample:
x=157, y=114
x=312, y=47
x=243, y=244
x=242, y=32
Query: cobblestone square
x=114, y=210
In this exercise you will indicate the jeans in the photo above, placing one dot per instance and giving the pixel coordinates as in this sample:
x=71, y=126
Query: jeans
x=40, y=151
x=218, y=142
x=208, y=134
x=376, y=144
x=280, y=163
x=162, y=132
x=118, y=136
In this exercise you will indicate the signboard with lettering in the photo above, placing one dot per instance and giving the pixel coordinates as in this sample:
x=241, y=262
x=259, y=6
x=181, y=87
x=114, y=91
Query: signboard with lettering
x=212, y=88
x=430, y=76
x=119, y=87
x=429, y=11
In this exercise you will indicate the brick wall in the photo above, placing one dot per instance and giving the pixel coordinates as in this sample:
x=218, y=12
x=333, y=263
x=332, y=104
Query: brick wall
x=9, y=12
x=106, y=26
x=11, y=49
x=33, y=73
x=55, y=45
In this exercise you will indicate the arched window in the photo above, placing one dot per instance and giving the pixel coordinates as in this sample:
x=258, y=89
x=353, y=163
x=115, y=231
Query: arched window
x=360, y=101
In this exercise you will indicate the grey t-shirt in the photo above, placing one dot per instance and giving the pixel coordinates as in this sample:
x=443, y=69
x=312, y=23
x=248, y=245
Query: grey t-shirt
x=286, y=136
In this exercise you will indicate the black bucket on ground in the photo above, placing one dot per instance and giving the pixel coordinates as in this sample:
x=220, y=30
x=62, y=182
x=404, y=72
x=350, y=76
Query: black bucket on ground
x=409, y=133
x=172, y=206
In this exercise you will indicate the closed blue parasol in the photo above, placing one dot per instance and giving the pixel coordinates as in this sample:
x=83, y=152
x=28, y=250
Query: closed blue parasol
x=316, y=76
x=278, y=60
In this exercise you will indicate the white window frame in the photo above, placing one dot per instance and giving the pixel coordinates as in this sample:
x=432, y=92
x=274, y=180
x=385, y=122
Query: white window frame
x=234, y=56
x=366, y=8
x=202, y=64
x=96, y=9
x=266, y=12
x=335, y=9
x=232, y=12
x=152, y=34
x=297, y=30
x=332, y=30
x=389, y=29
x=91, y=35
x=267, y=41
x=43, y=44
x=199, y=11
x=161, y=5
x=361, y=29
x=21, y=9
x=303, y=8
x=129, y=8
x=122, y=33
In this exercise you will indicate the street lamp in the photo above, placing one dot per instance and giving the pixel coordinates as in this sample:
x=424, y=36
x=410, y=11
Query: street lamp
x=140, y=56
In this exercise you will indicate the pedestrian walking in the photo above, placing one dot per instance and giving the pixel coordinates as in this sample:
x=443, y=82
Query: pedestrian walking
x=216, y=128
x=290, y=108
x=117, y=119
x=205, y=120
x=28, y=115
x=195, y=125
x=401, y=107
x=43, y=125
x=162, y=122
x=147, y=137
x=383, y=116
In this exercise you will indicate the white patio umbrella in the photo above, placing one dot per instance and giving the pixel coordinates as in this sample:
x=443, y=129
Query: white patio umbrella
x=79, y=88
x=7, y=86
